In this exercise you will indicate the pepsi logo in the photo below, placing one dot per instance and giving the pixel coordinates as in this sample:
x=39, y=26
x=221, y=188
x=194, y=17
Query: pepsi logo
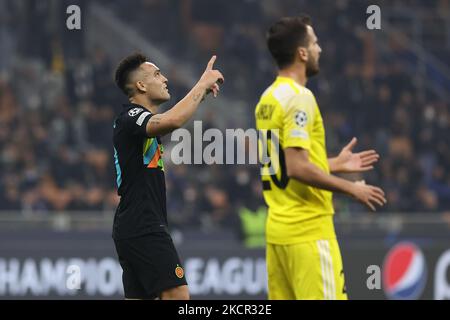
x=404, y=272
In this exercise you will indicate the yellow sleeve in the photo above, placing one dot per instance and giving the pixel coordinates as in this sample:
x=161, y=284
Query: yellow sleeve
x=298, y=122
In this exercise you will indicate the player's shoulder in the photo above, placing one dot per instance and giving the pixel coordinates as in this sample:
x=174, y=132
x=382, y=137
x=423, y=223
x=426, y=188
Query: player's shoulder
x=287, y=92
x=302, y=98
x=303, y=91
x=275, y=96
x=132, y=113
x=131, y=120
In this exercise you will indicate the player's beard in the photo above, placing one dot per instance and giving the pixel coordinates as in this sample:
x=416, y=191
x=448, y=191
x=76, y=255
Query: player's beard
x=312, y=68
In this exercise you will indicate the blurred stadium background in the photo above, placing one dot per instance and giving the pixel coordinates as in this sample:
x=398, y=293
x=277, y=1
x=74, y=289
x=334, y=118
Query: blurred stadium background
x=388, y=87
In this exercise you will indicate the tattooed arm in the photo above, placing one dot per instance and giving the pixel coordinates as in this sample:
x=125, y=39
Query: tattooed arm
x=178, y=115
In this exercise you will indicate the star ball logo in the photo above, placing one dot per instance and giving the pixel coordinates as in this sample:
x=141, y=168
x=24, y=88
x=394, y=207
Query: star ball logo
x=404, y=272
x=301, y=118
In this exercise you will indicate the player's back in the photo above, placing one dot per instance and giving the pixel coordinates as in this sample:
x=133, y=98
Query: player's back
x=287, y=113
x=140, y=176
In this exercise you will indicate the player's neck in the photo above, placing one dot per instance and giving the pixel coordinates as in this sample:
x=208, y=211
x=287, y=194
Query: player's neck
x=142, y=101
x=295, y=74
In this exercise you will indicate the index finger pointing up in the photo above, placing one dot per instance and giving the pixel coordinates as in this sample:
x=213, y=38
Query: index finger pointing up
x=211, y=63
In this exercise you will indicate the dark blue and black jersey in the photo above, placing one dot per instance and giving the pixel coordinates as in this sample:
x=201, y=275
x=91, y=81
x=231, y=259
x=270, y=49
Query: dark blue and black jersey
x=140, y=176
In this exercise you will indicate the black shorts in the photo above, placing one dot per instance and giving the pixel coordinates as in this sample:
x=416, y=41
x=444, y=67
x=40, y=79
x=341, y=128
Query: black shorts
x=150, y=265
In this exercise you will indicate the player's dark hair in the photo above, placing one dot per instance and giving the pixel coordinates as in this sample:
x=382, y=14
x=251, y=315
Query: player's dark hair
x=126, y=67
x=285, y=36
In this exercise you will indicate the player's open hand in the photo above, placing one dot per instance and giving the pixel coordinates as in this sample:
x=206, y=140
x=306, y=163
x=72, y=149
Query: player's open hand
x=211, y=79
x=369, y=195
x=348, y=162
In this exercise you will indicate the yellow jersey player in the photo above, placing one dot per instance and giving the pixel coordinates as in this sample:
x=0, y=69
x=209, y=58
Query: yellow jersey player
x=303, y=257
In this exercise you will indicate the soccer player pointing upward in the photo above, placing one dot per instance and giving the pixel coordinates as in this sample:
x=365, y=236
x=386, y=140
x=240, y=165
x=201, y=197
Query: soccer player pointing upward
x=150, y=263
x=303, y=257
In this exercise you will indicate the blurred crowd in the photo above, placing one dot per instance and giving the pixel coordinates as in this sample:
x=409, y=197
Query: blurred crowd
x=58, y=103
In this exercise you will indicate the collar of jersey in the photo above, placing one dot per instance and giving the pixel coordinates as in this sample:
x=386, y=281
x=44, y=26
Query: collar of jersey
x=290, y=80
x=134, y=105
x=285, y=79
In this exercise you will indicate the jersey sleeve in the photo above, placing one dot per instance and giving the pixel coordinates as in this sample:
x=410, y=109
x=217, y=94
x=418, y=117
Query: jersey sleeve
x=135, y=121
x=298, y=122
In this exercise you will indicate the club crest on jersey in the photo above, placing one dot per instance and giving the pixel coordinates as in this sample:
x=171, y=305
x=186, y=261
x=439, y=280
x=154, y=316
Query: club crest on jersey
x=135, y=111
x=301, y=119
x=179, y=272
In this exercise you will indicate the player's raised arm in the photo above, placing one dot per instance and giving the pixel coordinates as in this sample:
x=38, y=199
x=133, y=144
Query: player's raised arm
x=178, y=115
x=300, y=168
